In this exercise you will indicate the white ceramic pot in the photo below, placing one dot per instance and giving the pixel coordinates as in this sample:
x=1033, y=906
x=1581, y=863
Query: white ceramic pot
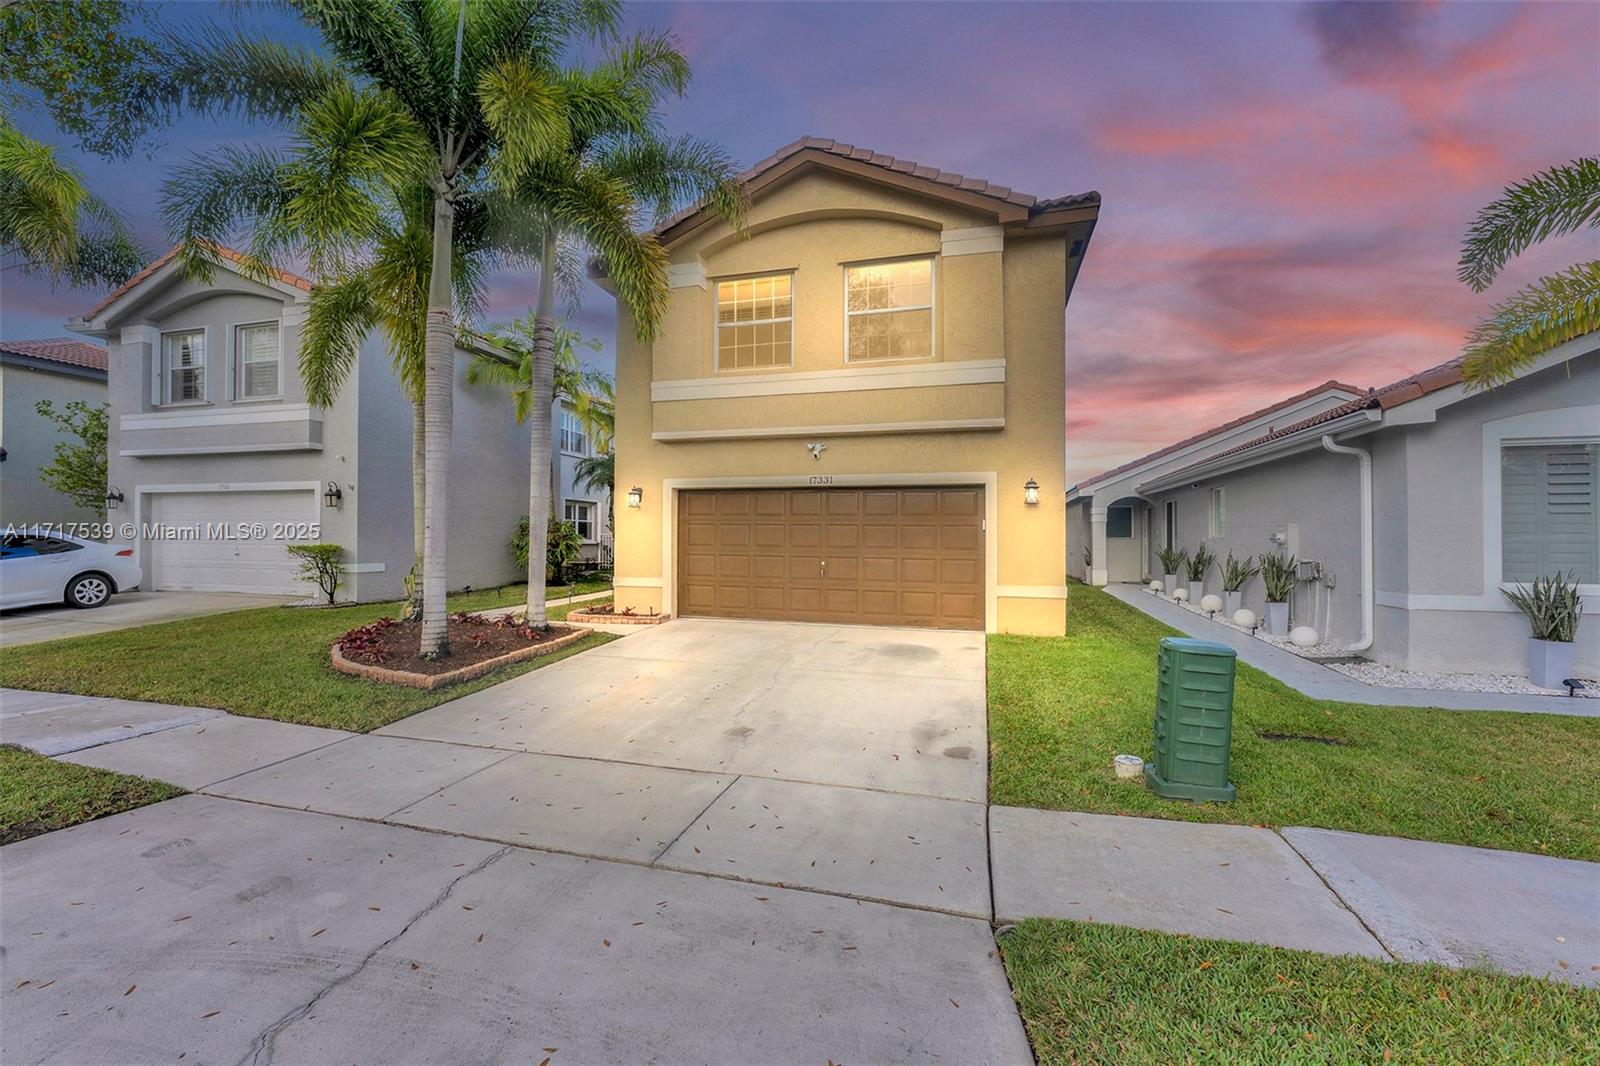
x=1197, y=591
x=1550, y=662
x=1169, y=583
x=1278, y=619
x=1232, y=601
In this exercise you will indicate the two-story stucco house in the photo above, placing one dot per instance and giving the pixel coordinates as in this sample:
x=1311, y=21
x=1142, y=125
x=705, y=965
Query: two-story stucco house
x=60, y=370
x=854, y=411
x=210, y=428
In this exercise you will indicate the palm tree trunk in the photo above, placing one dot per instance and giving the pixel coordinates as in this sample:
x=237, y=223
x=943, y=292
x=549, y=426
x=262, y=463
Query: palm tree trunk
x=419, y=482
x=543, y=399
x=438, y=402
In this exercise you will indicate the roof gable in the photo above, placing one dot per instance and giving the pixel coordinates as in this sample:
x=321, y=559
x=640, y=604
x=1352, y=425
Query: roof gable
x=164, y=267
x=1008, y=205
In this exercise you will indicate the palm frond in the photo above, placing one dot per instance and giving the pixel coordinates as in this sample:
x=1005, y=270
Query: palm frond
x=340, y=314
x=215, y=70
x=528, y=113
x=234, y=192
x=1556, y=201
x=669, y=174
x=1549, y=312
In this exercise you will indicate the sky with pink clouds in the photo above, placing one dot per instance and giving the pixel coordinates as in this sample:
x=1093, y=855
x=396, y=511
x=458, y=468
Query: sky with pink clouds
x=1285, y=185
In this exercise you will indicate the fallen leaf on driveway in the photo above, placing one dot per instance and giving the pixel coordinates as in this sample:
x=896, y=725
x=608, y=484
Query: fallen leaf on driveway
x=129, y=992
x=212, y=1014
x=318, y=933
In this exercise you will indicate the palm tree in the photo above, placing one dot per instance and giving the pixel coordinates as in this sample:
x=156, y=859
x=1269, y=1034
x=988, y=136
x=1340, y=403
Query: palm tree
x=51, y=224
x=589, y=186
x=409, y=111
x=1553, y=309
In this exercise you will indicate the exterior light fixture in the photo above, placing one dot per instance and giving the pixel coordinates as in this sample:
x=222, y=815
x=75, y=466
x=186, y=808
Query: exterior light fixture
x=1030, y=492
x=114, y=498
x=331, y=496
x=635, y=496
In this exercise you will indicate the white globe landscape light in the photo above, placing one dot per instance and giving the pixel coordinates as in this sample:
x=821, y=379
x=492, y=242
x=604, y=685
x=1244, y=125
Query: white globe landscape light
x=1211, y=602
x=1304, y=637
x=1244, y=617
x=1180, y=594
x=1155, y=586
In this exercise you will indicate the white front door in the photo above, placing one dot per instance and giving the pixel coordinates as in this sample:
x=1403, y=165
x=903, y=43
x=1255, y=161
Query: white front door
x=210, y=542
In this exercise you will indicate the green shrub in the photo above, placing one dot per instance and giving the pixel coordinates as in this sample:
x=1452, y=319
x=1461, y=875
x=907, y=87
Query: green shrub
x=320, y=563
x=562, y=546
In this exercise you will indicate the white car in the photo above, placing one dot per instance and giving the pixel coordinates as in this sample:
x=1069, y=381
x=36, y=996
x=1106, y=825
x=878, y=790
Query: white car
x=45, y=566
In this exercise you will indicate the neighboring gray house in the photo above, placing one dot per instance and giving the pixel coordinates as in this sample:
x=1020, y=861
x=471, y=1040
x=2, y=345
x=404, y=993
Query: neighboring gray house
x=60, y=370
x=221, y=462
x=1470, y=491
x=587, y=508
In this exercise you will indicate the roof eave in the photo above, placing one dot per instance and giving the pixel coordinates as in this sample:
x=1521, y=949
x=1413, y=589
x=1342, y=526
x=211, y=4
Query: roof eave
x=1302, y=440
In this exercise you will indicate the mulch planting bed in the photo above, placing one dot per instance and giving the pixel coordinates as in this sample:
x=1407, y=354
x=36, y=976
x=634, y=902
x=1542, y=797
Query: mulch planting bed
x=386, y=650
x=607, y=612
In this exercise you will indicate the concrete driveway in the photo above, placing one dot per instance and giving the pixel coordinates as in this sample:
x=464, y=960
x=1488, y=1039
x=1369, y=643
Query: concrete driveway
x=30, y=625
x=897, y=710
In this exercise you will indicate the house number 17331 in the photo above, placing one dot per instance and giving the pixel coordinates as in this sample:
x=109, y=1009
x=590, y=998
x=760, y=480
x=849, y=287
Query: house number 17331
x=821, y=479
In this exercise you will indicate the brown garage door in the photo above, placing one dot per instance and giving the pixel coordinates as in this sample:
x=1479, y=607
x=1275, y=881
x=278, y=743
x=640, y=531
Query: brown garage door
x=911, y=557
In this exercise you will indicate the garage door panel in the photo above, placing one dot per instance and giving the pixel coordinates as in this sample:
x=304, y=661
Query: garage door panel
x=215, y=548
x=893, y=556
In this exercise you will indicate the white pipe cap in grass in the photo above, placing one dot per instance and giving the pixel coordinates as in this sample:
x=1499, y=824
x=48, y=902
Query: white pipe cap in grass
x=1211, y=602
x=1304, y=637
x=1128, y=766
x=1245, y=617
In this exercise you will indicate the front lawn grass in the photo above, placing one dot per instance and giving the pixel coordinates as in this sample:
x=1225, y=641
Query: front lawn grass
x=270, y=662
x=1106, y=994
x=1061, y=708
x=39, y=794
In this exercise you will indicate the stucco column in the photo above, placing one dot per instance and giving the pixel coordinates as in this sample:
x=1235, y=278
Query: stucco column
x=1100, y=574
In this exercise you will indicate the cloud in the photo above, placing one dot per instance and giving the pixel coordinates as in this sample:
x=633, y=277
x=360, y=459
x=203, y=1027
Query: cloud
x=1358, y=39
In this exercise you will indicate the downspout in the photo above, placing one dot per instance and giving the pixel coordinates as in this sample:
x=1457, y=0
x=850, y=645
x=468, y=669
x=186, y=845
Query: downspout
x=1366, y=537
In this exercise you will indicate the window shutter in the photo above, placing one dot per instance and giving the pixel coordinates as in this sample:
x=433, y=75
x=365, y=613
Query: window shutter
x=1549, y=518
x=155, y=372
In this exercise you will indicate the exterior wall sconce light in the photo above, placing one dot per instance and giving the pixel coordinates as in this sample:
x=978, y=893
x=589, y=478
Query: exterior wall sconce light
x=331, y=496
x=1030, y=493
x=635, y=496
x=114, y=498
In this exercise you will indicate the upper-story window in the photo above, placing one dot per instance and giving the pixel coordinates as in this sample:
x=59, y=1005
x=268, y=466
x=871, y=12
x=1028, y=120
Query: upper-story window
x=573, y=439
x=755, y=322
x=260, y=374
x=183, y=365
x=889, y=310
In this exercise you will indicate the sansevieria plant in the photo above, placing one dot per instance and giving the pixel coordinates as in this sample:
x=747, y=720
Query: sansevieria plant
x=1173, y=559
x=1235, y=572
x=1552, y=605
x=1200, y=562
x=1277, y=574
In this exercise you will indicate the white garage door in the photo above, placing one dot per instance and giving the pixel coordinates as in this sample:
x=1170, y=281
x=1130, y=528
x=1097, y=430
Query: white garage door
x=215, y=549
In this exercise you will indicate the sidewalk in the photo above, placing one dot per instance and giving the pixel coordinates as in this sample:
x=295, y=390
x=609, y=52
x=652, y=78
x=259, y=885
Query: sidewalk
x=1316, y=889
x=1319, y=682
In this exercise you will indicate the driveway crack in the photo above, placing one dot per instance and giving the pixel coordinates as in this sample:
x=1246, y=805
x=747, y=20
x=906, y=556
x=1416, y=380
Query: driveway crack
x=261, y=1053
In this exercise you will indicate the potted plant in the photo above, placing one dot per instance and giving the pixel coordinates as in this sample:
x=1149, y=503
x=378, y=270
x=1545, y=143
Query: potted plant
x=1199, y=563
x=1235, y=572
x=1277, y=574
x=1173, y=560
x=1554, y=610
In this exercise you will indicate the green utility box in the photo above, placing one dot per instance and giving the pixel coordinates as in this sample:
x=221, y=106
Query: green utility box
x=1194, y=720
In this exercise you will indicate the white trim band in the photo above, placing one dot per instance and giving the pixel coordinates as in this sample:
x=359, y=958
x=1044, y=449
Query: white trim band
x=227, y=416
x=223, y=449
x=866, y=378
x=1031, y=592
x=974, y=241
x=686, y=275
x=946, y=425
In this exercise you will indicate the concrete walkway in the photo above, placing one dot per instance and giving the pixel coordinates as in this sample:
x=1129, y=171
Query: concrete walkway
x=1317, y=681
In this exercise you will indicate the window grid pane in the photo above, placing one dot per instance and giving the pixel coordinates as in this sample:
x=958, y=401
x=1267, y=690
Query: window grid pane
x=573, y=438
x=1549, y=517
x=755, y=322
x=889, y=310
x=258, y=353
x=185, y=355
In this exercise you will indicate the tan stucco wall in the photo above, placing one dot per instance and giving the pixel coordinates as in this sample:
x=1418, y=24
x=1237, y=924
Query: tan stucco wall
x=991, y=305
